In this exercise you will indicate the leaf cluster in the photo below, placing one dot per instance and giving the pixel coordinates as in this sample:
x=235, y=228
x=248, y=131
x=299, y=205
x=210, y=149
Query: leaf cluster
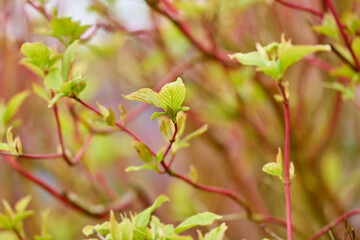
x=145, y=226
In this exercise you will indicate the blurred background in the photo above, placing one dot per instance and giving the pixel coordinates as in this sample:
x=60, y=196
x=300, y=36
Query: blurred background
x=131, y=45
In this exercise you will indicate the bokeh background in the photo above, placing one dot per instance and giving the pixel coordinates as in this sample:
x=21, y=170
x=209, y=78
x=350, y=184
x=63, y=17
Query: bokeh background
x=137, y=47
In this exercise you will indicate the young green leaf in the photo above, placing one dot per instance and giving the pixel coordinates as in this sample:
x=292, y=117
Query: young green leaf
x=193, y=174
x=41, y=92
x=14, y=104
x=143, y=218
x=37, y=53
x=157, y=114
x=275, y=58
x=143, y=151
x=272, y=169
x=53, y=80
x=114, y=227
x=172, y=95
x=126, y=230
x=138, y=168
x=4, y=147
x=123, y=114
x=217, y=233
x=55, y=99
x=201, y=219
x=68, y=59
x=166, y=128
x=111, y=119
x=292, y=170
x=22, y=204
x=145, y=95
x=328, y=27
x=196, y=133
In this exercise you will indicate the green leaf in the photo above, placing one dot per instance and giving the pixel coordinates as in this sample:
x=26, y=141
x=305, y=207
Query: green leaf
x=22, y=204
x=4, y=147
x=166, y=128
x=292, y=170
x=145, y=95
x=126, y=230
x=193, y=174
x=279, y=160
x=74, y=87
x=39, y=53
x=114, y=227
x=143, y=218
x=41, y=92
x=201, y=219
x=5, y=222
x=275, y=58
x=196, y=133
x=249, y=59
x=328, y=27
x=103, y=110
x=157, y=114
x=138, y=168
x=55, y=99
x=272, y=169
x=288, y=54
x=53, y=80
x=160, y=156
x=68, y=59
x=123, y=114
x=217, y=233
x=66, y=27
x=21, y=216
x=172, y=95
x=8, y=211
x=111, y=119
x=14, y=104
x=143, y=151
x=103, y=229
x=181, y=123
x=27, y=62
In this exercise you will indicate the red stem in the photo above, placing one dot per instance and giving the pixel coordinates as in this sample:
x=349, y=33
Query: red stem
x=217, y=53
x=301, y=8
x=83, y=149
x=33, y=156
x=40, y=9
x=117, y=124
x=287, y=162
x=61, y=140
x=326, y=228
x=62, y=195
x=342, y=32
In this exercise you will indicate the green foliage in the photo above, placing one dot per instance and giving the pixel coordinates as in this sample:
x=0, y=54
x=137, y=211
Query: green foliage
x=12, y=219
x=66, y=30
x=143, y=226
x=275, y=58
x=328, y=27
x=275, y=168
x=170, y=98
x=12, y=145
x=7, y=111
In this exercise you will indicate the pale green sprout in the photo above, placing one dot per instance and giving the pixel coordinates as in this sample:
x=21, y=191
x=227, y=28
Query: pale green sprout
x=275, y=58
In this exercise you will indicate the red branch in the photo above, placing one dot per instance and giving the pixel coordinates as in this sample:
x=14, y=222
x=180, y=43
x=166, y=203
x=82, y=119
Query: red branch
x=334, y=223
x=301, y=8
x=342, y=32
x=62, y=196
x=287, y=162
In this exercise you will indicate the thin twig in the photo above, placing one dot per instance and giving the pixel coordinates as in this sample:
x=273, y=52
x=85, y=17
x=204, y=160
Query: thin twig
x=301, y=8
x=342, y=32
x=326, y=228
x=287, y=161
